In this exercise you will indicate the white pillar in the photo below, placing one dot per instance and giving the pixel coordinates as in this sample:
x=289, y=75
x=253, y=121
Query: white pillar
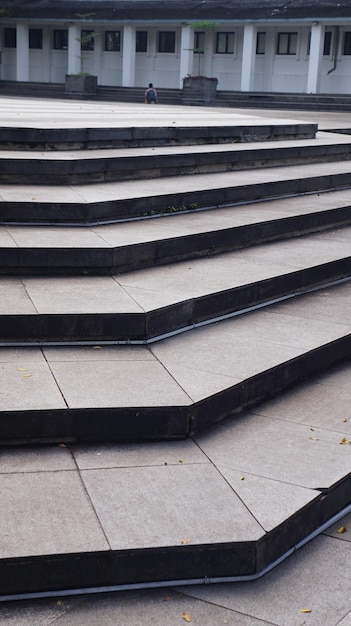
x=22, y=52
x=74, y=51
x=248, y=58
x=315, y=59
x=128, y=59
x=186, y=53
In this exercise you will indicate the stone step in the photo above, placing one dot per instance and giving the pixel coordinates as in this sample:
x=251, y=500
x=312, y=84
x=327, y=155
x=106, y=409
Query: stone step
x=175, y=387
x=138, y=244
x=142, y=306
x=12, y=138
x=223, y=504
x=125, y=200
x=96, y=166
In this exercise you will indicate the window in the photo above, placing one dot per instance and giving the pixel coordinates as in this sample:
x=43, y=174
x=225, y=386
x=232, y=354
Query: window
x=9, y=37
x=199, y=42
x=87, y=39
x=113, y=41
x=347, y=43
x=60, y=40
x=327, y=43
x=225, y=43
x=35, y=38
x=261, y=43
x=287, y=43
x=166, y=41
x=141, y=41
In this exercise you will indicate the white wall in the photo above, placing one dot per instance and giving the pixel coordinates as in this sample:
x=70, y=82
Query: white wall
x=273, y=72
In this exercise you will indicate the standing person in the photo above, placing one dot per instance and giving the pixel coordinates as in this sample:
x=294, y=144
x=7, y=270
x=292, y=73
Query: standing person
x=151, y=95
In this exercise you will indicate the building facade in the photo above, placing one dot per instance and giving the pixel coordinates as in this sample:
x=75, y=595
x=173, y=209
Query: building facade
x=301, y=46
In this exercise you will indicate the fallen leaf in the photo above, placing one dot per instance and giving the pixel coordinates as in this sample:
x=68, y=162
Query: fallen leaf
x=342, y=529
x=59, y=602
x=186, y=617
x=27, y=375
x=62, y=445
x=242, y=477
x=180, y=461
x=97, y=348
x=185, y=541
x=345, y=419
x=344, y=440
x=22, y=369
x=306, y=610
x=314, y=438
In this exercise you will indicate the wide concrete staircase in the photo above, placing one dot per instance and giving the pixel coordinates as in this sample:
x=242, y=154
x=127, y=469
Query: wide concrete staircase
x=175, y=351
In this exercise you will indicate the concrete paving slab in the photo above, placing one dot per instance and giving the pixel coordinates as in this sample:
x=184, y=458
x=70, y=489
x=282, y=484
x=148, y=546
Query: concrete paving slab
x=36, y=459
x=219, y=349
x=23, y=357
x=98, y=353
x=323, y=307
x=117, y=384
x=278, y=450
x=341, y=530
x=14, y=297
x=47, y=513
x=314, y=403
x=79, y=295
x=137, y=455
x=165, y=506
x=29, y=386
x=46, y=237
x=270, y=502
x=154, y=607
x=309, y=579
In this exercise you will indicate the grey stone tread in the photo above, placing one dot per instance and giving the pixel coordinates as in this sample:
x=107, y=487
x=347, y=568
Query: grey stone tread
x=261, y=471
x=155, y=288
x=122, y=190
x=322, y=139
x=182, y=370
x=170, y=227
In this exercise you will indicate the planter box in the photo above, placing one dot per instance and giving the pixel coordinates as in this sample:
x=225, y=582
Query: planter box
x=199, y=89
x=80, y=84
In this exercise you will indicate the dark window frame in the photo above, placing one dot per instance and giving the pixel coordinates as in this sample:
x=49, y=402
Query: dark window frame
x=60, y=39
x=166, y=42
x=229, y=42
x=141, y=41
x=10, y=38
x=346, y=49
x=35, y=38
x=199, y=42
x=112, y=41
x=291, y=46
x=261, y=37
x=87, y=40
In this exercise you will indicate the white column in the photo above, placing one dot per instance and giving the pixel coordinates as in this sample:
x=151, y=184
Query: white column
x=248, y=58
x=22, y=52
x=74, y=51
x=316, y=51
x=128, y=59
x=186, y=53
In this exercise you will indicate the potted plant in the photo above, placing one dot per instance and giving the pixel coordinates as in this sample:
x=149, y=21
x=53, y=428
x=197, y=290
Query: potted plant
x=198, y=88
x=83, y=82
